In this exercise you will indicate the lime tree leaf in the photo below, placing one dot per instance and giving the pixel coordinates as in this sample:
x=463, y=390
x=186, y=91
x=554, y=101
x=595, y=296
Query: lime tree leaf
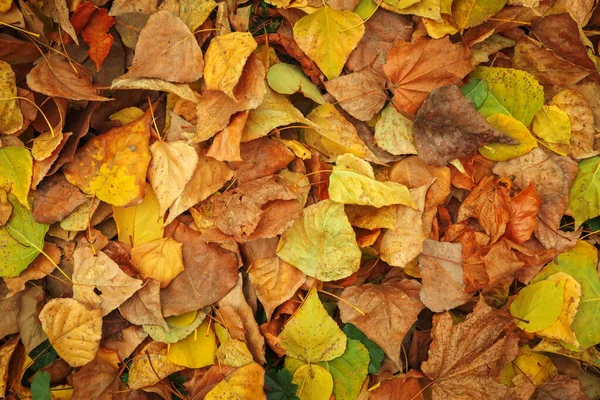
x=328, y=36
x=321, y=243
x=40, y=386
x=289, y=79
x=279, y=386
x=538, y=305
x=584, y=197
x=476, y=91
x=514, y=92
x=314, y=382
x=16, y=167
x=349, y=371
x=580, y=262
x=468, y=13
x=21, y=240
x=552, y=125
x=311, y=335
x=353, y=182
x=140, y=224
x=376, y=354
x=513, y=129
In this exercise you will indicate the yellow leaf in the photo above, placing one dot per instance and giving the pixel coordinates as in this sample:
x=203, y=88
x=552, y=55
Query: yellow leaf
x=79, y=219
x=514, y=129
x=73, y=328
x=234, y=353
x=426, y=8
x=195, y=351
x=113, y=166
x=6, y=351
x=314, y=382
x=194, y=12
x=44, y=145
x=171, y=168
x=552, y=125
x=139, y=224
x=353, y=182
x=467, y=13
x=561, y=329
x=126, y=115
x=394, y=132
x=184, y=319
x=537, y=367
x=296, y=147
x=160, y=259
x=11, y=119
x=245, y=383
x=225, y=60
x=333, y=135
x=311, y=335
x=289, y=79
x=16, y=168
x=180, y=89
x=439, y=29
x=177, y=327
x=4, y=7
x=328, y=36
x=150, y=366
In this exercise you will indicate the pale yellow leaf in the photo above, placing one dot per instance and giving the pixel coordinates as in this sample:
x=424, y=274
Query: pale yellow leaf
x=160, y=259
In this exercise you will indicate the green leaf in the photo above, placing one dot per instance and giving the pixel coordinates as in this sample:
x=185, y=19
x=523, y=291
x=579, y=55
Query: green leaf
x=584, y=197
x=580, y=262
x=43, y=355
x=289, y=79
x=321, y=243
x=538, y=305
x=311, y=335
x=16, y=166
x=365, y=8
x=513, y=92
x=353, y=182
x=21, y=240
x=376, y=354
x=476, y=91
x=279, y=386
x=40, y=387
x=349, y=371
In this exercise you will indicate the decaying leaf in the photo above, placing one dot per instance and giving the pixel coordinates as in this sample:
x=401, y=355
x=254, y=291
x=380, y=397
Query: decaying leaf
x=11, y=119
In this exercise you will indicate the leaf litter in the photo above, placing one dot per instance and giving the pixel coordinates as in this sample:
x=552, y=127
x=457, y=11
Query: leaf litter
x=289, y=199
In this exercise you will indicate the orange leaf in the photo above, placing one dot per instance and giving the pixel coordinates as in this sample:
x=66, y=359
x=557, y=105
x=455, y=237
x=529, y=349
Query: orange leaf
x=96, y=36
x=523, y=214
x=81, y=16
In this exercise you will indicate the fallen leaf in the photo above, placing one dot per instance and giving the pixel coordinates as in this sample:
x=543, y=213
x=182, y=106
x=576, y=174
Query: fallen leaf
x=447, y=127
x=288, y=79
x=328, y=36
x=416, y=69
x=194, y=13
x=178, y=328
x=45, y=144
x=54, y=76
x=59, y=12
x=159, y=259
x=261, y=157
x=514, y=130
x=552, y=125
x=226, y=57
x=96, y=36
x=143, y=308
x=15, y=171
x=468, y=13
x=6, y=351
x=41, y=266
x=97, y=271
x=584, y=199
x=349, y=371
x=538, y=305
x=113, y=166
x=561, y=387
x=561, y=330
x=275, y=282
x=129, y=26
x=314, y=382
x=399, y=299
x=398, y=388
x=140, y=224
x=322, y=243
x=524, y=208
x=394, y=132
x=226, y=144
x=150, y=366
x=197, y=350
x=171, y=168
x=11, y=119
x=73, y=328
x=10, y=311
x=468, y=358
x=167, y=50
x=21, y=240
x=96, y=380
x=180, y=89
x=245, y=382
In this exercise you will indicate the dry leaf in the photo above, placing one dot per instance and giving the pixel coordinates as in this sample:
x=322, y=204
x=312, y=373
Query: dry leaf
x=143, y=308
x=159, y=259
x=55, y=199
x=226, y=144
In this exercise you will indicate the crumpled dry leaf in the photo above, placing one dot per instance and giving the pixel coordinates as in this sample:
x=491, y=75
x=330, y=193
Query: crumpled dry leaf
x=260, y=158
x=167, y=50
x=97, y=380
x=465, y=360
x=561, y=387
x=226, y=144
x=245, y=383
x=415, y=69
x=150, y=366
x=447, y=127
x=389, y=310
x=73, y=328
x=98, y=271
x=11, y=118
x=55, y=199
x=143, y=308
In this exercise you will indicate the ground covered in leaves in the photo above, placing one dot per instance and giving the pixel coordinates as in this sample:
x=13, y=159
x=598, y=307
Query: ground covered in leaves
x=299, y=199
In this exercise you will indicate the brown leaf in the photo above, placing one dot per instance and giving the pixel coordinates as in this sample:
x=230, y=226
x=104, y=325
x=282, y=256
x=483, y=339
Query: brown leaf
x=274, y=281
x=215, y=108
x=167, y=50
x=465, y=360
x=6, y=351
x=441, y=268
x=125, y=341
x=523, y=215
x=388, y=312
x=447, y=126
x=97, y=380
x=236, y=301
x=415, y=69
x=30, y=329
x=489, y=203
x=399, y=388
x=54, y=76
x=361, y=94
x=561, y=387
x=226, y=144
x=59, y=12
x=261, y=157
x=210, y=273
x=501, y=264
x=39, y=268
x=9, y=309
x=381, y=31
x=15, y=51
x=143, y=308
x=55, y=199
